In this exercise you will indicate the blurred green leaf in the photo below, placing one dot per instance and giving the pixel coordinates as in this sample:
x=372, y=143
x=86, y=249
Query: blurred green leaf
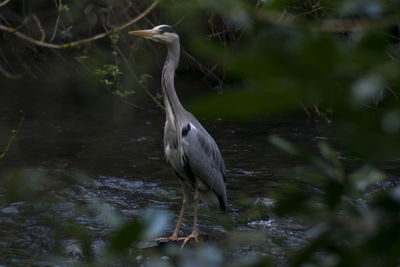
x=283, y=145
x=367, y=89
x=125, y=236
x=365, y=177
x=155, y=222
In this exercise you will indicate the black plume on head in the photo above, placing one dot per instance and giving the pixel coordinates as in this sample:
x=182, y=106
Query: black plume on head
x=166, y=28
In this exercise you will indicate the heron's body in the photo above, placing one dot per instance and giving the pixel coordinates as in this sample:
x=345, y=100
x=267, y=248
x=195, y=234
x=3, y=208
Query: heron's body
x=188, y=147
x=198, y=171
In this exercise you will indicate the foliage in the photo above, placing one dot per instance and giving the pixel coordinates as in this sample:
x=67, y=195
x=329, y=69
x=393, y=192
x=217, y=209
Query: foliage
x=111, y=71
x=326, y=55
x=353, y=217
x=329, y=59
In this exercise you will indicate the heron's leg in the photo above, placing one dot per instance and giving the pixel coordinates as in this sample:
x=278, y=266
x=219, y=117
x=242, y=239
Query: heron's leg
x=196, y=205
x=184, y=204
x=194, y=232
x=185, y=200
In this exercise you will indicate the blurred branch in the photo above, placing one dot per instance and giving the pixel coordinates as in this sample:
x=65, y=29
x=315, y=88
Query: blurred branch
x=308, y=12
x=393, y=92
x=59, y=8
x=328, y=25
x=203, y=69
x=8, y=74
x=12, y=138
x=108, y=88
x=79, y=42
x=124, y=58
x=305, y=109
x=146, y=19
x=4, y=3
x=43, y=34
x=346, y=25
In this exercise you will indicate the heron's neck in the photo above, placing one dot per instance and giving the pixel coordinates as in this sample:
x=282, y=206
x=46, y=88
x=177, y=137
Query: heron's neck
x=173, y=106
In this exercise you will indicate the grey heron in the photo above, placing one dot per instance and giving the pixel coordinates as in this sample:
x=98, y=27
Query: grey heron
x=188, y=147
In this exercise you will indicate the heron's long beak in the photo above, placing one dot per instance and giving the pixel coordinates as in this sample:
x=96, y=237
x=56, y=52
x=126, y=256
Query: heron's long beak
x=143, y=33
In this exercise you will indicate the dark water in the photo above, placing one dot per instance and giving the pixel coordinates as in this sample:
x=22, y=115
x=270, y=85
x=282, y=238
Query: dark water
x=96, y=172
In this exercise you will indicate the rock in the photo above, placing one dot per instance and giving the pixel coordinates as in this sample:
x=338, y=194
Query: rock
x=268, y=202
x=139, y=258
x=10, y=211
x=73, y=249
x=148, y=244
x=165, y=258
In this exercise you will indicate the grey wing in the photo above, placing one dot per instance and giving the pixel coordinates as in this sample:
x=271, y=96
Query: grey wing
x=203, y=161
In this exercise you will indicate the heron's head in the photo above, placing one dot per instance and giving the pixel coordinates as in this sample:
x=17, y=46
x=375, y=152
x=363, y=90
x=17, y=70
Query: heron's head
x=163, y=34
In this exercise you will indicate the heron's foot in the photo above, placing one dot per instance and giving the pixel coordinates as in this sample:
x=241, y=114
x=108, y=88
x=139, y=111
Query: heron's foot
x=186, y=239
x=173, y=237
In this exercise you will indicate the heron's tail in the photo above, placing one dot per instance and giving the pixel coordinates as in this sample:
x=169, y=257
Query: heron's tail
x=213, y=200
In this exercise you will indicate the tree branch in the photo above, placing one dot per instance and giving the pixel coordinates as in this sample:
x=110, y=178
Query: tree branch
x=42, y=32
x=8, y=74
x=12, y=137
x=329, y=25
x=59, y=10
x=79, y=42
x=5, y=2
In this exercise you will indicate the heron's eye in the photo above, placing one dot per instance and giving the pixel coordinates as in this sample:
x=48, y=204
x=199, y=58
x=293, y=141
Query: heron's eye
x=166, y=28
